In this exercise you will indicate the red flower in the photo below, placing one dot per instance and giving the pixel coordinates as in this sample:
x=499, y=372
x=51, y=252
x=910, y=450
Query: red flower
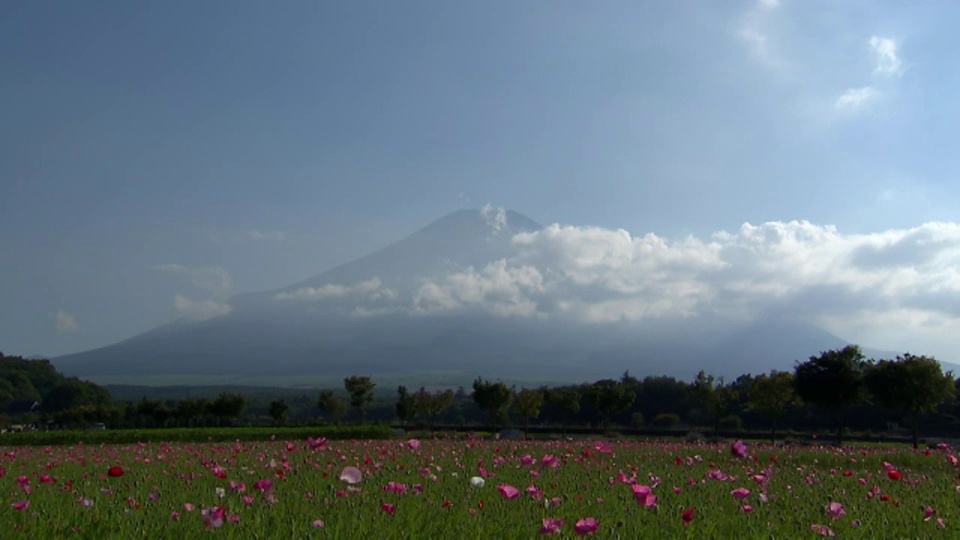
x=687, y=516
x=115, y=472
x=894, y=474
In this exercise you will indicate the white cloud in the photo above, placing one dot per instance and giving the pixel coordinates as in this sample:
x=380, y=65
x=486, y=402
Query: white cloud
x=496, y=218
x=370, y=287
x=769, y=4
x=199, y=310
x=209, y=278
x=885, y=50
x=64, y=322
x=276, y=236
x=855, y=97
x=754, y=30
x=897, y=279
x=497, y=288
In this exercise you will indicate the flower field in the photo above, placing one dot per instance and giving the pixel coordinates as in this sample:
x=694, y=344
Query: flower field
x=481, y=489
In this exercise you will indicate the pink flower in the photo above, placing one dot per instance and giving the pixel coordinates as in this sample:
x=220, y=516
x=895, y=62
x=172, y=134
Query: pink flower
x=320, y=443
x=20, y=505
x=551, y=526
x=188, y=507
x=586, y=526
x=741, y=493
x=738, y=449
x=351, y=475
x=822, y=530
x=603, y=447
x=644, y=496
x=318, y=523
x=395, y=487
x=747, y=508
x=175, y=516
x=527, y=460
x=388, y=508
x=550, y=461
x=413, y=444
x=835, y=510
x=264, y=485
x=508, y=491
x=928, y=513
x=212, y=517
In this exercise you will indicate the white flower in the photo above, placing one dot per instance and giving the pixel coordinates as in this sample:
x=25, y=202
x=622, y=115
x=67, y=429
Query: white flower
x=477, y=482
x=221, y=492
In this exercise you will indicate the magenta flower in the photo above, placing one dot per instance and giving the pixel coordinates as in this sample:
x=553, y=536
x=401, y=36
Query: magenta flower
x=822, y=530
x=738, y=449
x=835, y=510
x=508, y=491
x=550, y=461
x=551, y=526
x=413, y=444
x=320, y=443
x=212, y=517
x=741, y=493
x=351, y=475
x=644, y=496
x=687, y=516
x=586, y=526
x=928, y=513
x=20, y=505
x=388, y=508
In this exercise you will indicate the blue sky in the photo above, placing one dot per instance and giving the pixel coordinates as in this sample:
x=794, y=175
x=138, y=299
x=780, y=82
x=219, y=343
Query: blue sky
x=155, y=156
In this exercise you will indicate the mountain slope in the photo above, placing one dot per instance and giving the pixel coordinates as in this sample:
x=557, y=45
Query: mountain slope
x=348, y=320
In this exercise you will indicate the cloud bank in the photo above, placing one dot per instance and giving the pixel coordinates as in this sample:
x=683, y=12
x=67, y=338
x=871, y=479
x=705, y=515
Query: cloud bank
x=199, y=310
x=64, y=322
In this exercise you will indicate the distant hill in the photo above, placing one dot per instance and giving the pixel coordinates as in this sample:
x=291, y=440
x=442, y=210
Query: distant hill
x=362, y=317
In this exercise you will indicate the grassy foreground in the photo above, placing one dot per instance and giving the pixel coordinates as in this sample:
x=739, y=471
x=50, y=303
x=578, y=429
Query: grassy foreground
x=301, y=488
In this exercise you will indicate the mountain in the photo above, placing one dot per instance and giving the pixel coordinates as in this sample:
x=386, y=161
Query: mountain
x=368, y=317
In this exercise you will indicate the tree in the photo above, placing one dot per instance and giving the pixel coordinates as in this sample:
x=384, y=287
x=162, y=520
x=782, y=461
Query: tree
x=493, y=399
x=713, y=397
x=331, y=405
x=190, y=411
x=774, y=396
x=529, y=403
x=74, y=393
x=833, y=381
x=567, y=402
x=609, y=398
x=404, y=404
x=155, y=412
x=428, y=405
x=278, y=411
x=228, y=406
x=910, y=386
x=360, y=389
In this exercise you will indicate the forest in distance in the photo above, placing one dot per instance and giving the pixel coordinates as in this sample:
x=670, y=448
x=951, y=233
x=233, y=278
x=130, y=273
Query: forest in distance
x=838, y=391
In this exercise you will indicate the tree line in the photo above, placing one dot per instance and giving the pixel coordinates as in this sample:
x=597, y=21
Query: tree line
x=838, y=389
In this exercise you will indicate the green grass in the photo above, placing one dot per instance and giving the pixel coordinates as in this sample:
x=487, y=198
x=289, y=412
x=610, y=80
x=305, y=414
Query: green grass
x=79, y=499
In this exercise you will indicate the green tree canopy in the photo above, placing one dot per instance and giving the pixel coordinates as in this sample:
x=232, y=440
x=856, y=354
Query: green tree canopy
x=331, y=406
x=609, y=397
x=360, y=388
x=910, y=386
x=529, y=402
x=833, y=380
x=493, y=399
x=774, y=396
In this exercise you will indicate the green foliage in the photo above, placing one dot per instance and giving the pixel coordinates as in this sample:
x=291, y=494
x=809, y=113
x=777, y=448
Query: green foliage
x=360, y=388
x=428, y=406
x=529, y=401
x=493, y=398
x=910, y=386
x=228, y=406
x=404, y=404
x=331, y=405
x=833, y=380
x=221, y=434
x=774, y=396
x=74, y=393
x=278, y=411
x=609, y=397
x=666, y=421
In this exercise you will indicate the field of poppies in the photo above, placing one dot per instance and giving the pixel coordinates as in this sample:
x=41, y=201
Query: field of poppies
x=472, y=488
